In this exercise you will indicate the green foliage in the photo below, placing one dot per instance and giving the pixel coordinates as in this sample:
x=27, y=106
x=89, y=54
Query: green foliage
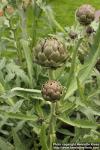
x=5, y=145
x=66, y=9
x=27, y=121
x=18, y=144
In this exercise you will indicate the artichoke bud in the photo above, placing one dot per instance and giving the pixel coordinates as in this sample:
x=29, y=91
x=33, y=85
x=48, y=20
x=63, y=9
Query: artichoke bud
x=52, y=91
x=72, y=35
x=48, y=51
x=97, y=15
x=26, y=3
x=85, y=14
x=89, y=30
x=9, y=10
x=55, y=56
x=52, y=50
x=42, y=57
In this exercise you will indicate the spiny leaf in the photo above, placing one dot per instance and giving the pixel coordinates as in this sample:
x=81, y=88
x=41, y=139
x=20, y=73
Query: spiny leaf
x=14, y=69
x=9, y=100
x=43, y=138
x=4, y=145
x=19, y=116
x=17, y=142
x=86, y=70
x=82, y=123
x=71, y=73
x=66, y=106
x=28, y=57
x=26, y=90
x=2, y=63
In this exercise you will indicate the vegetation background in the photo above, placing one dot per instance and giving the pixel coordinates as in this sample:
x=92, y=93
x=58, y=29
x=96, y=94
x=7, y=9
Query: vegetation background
x=65, y=9
x=64, y=12
x=27, y=121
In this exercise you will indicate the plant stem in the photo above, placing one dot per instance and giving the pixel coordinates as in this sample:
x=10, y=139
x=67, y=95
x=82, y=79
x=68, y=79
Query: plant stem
x=34, y=26
x=26, y=48
x=23, y=21
x=17, y=44
x=52, y=125
x=51, y=74
x=16, y=41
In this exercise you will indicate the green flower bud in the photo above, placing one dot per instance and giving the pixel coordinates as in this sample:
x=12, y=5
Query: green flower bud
x=52, y=91
x=50, y=53
x=72, y=35
x=97, y=15
x=85, y=14
x=89, y=30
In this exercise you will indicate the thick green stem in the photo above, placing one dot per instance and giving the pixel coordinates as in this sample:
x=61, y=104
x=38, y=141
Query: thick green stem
x=52, y=125
x=23, y=19
x=26, y=48
x=17, y=44
x=34, y=26
x=51, y=74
